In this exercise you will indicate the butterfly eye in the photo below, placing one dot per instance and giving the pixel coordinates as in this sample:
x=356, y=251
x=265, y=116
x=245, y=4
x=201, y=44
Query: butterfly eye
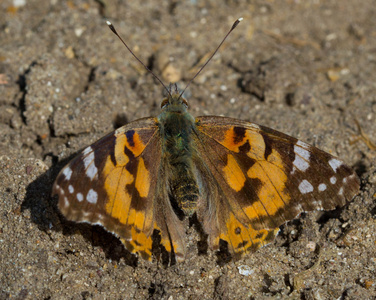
x=164, y=103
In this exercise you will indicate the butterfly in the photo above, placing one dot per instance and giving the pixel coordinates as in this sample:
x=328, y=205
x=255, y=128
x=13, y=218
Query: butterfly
x=241, y=180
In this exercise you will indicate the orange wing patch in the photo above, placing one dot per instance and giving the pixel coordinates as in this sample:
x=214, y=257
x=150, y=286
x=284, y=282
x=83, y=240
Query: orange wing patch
x=233, y=138
x=268, y=169
x=272, y=193
x=117, y=176
x=142, y=179
x=131, y=140
x=233, y=174
x=245, y=240
x=118, y=199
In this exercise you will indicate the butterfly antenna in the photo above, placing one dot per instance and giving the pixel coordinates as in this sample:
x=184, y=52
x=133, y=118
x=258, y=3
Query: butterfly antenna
x=134, y=55
x=236, y=23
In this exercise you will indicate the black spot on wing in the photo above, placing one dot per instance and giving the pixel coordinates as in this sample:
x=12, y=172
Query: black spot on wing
x=239, y=134
x=245, y=148
x=130, y=134
x=268, y=145
x=138, y=203
x=242, y=245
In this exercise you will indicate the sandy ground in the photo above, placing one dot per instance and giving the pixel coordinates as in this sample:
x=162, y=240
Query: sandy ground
x=306, y=68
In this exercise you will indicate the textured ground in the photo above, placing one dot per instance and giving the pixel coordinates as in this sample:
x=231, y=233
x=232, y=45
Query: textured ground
x=307, y=68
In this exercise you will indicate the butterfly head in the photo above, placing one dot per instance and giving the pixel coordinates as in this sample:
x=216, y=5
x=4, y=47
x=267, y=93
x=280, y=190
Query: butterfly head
x=174, y=102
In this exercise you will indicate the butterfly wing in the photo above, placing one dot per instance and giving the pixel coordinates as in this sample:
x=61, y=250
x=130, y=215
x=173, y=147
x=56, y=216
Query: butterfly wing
x=262, y=178
x=117, y=183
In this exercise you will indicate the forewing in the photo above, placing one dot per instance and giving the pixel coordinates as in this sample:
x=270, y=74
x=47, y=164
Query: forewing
x=116, y=182
x=264, y=178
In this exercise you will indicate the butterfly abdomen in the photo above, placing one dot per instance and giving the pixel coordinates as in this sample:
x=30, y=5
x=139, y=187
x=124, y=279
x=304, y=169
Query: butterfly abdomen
x=184, y=189
x=176, y=131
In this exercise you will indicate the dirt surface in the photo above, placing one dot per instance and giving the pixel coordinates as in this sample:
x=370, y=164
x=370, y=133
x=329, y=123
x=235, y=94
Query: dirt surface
x=306, y=68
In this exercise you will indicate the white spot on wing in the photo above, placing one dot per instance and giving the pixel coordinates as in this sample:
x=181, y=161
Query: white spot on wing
x=80, y=197
x=70, y=189
x=60, y=190
x=87, y=151
x=335, y=163
x=322, y=187
x=305, y=187
x=317, y=204
x=91, y=169
x=293, y=170
x=340, y=191
x=92, y=196
x=67, y=172
x=333, y=180
x=301, y=158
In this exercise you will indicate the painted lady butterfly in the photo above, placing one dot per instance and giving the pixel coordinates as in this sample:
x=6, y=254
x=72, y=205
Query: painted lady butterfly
x=242, y=180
